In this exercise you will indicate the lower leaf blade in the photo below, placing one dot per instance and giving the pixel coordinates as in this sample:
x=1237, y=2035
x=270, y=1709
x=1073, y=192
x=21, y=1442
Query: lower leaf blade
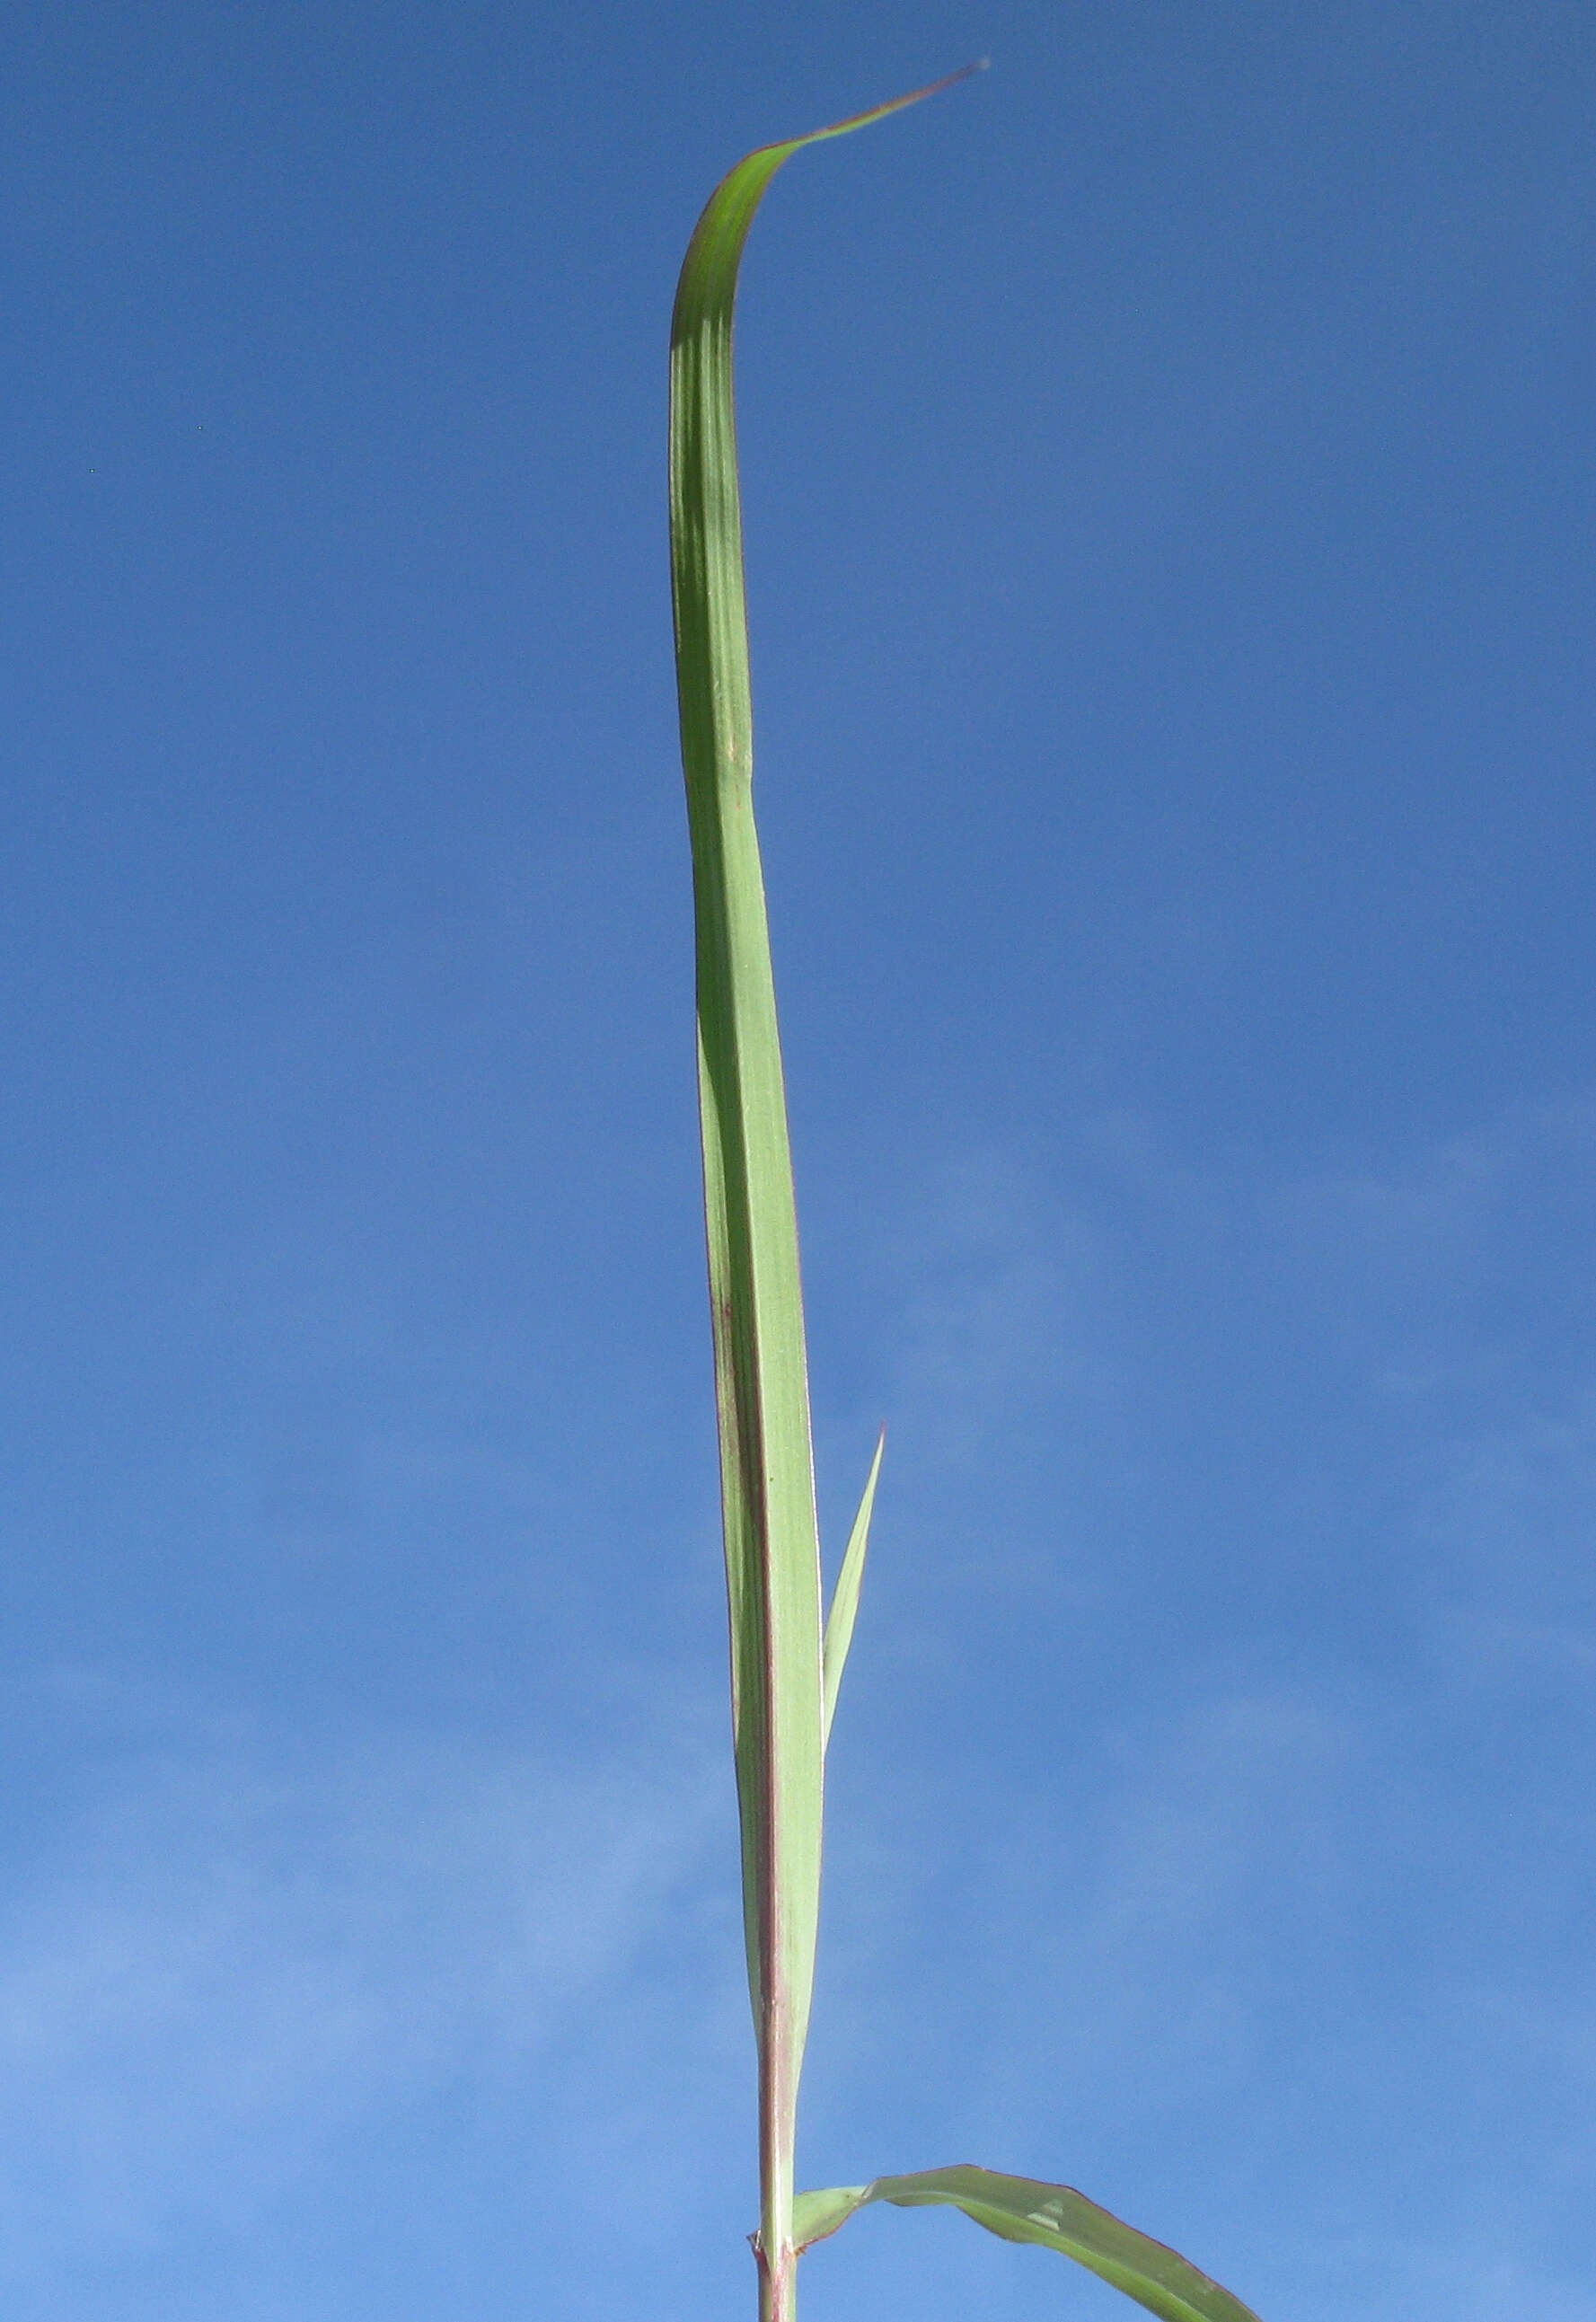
x=1054, y=2216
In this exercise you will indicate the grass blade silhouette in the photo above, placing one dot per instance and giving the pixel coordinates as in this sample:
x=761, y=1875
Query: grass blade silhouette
x=762, y=1380
x=785, y=1670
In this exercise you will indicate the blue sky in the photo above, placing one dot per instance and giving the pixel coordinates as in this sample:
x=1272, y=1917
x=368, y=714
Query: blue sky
x=1168, y=472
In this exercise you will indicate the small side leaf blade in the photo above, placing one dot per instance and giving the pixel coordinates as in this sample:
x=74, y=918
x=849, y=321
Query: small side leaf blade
x=1055, y=2217
x=845, y=1600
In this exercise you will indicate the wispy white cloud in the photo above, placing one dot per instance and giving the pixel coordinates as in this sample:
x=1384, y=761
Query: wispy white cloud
x=1196, y=1838
x=1456, y=1288
x=1497, y=1645
x=1002, y=1299
x=1397, y=2279
x=1445, y=1272
x=225, y=1961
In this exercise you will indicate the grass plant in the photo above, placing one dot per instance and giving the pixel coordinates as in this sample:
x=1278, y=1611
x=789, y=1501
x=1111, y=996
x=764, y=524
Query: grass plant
x=786, y=1664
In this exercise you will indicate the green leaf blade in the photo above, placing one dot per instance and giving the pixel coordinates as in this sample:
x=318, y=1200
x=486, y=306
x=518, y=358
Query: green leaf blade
x=761, y=1391
x=762, y=1379
x=1053, y=2216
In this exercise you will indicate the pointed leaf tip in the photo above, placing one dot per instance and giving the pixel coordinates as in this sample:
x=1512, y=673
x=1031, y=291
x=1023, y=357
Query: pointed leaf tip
x=845, y=1602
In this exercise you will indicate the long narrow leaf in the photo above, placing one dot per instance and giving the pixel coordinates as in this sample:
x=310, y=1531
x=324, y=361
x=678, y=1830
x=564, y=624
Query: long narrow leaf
x=845, y=1599
x=784, y=1677
x=1055, y=2217
x=761, y=1389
